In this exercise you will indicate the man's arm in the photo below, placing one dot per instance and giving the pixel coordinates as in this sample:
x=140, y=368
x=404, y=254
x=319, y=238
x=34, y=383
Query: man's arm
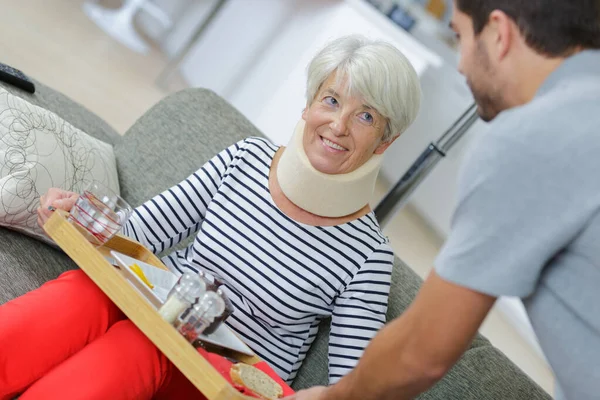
x=417, y=349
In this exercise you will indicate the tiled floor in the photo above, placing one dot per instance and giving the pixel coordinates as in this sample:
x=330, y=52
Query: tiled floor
x=54, y=42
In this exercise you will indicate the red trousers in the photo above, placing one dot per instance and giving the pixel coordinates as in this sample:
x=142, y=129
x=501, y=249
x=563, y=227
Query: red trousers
x=67, y=340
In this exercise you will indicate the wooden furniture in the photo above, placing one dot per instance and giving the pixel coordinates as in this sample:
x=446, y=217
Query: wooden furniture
x=138, y=309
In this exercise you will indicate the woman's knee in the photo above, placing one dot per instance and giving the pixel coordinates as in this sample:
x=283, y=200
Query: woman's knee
x=78, y=286
x=125, y=331
x=75, y=277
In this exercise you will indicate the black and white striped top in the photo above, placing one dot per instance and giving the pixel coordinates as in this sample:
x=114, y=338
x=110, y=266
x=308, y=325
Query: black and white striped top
x=281, y=275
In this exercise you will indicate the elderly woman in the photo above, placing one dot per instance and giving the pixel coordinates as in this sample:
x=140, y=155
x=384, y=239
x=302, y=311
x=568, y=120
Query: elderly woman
x=288, y=230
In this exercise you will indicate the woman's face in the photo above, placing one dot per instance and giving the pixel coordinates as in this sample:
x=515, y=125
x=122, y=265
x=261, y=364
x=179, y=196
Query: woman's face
x=341, y=132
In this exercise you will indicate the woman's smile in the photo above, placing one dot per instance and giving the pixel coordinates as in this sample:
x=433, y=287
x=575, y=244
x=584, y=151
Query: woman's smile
x=332, y=146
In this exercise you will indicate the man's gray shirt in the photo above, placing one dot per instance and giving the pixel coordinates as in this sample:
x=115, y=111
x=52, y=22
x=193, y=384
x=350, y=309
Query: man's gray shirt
x=527, y=222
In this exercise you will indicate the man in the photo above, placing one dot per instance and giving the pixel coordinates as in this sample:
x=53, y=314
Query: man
x=527, y=222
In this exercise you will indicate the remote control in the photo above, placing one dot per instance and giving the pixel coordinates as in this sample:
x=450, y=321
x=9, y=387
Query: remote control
x=16, y=78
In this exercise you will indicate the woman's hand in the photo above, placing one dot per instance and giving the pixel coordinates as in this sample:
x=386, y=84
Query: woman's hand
x=55, y=199
x=314, y=393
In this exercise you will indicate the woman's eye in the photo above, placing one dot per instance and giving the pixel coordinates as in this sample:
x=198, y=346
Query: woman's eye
x=367, y=117
x=330, y=100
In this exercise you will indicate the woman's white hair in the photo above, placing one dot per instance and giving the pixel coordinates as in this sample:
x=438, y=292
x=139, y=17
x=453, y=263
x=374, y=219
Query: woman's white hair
x=374, y=70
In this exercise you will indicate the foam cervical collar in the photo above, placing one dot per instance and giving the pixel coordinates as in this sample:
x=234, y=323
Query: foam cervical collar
x=322, y=194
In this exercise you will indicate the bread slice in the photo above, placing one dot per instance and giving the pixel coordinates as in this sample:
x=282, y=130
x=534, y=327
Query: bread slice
x=256, y=380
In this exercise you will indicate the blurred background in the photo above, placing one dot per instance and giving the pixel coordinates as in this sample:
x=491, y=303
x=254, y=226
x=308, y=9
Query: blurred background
x=118, y=58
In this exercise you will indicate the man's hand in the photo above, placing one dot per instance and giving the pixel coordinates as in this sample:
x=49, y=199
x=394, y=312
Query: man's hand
x=55, y=199
x=314, y=393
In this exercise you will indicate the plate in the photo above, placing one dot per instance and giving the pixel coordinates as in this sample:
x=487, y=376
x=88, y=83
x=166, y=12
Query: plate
x=163, y=281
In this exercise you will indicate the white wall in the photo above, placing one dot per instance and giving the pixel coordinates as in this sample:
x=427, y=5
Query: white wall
x=241, y=37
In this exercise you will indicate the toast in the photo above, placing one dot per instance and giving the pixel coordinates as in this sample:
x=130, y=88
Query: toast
x=256, y=380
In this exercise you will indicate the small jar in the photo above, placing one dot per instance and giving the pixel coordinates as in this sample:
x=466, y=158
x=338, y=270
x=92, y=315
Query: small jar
x=201, y=315
x=186, y=291
x=188, y=277
x=219, y=319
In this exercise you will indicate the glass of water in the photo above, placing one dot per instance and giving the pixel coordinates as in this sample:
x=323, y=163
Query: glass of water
x=99, y=213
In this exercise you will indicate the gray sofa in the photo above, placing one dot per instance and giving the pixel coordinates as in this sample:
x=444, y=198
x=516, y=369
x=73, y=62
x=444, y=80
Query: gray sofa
x=195, y=124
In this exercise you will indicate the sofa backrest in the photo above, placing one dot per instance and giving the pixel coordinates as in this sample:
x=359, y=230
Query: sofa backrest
x=175, y=138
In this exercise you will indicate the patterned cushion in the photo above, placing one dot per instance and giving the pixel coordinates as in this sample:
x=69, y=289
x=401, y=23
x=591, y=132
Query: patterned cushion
x=40, y=150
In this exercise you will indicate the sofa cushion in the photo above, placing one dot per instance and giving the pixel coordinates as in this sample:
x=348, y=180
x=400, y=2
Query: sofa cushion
x=40, y=150
x=26, y=263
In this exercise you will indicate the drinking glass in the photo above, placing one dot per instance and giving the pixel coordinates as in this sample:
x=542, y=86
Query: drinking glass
x=99, y=213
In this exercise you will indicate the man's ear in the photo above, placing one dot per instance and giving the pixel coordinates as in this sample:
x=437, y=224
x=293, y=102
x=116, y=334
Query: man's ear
x=384, y=145
x=502, y=30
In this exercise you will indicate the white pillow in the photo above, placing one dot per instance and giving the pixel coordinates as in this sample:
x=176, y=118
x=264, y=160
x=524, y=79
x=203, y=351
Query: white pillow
x=40, y=150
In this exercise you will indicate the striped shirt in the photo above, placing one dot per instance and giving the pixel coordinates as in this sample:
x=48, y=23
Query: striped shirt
x=281, y=275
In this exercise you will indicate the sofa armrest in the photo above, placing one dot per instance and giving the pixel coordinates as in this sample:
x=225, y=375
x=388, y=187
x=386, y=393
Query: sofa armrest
x=175, y=138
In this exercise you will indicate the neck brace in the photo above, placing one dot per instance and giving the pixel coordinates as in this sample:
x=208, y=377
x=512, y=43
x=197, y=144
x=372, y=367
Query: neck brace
x=322, y=194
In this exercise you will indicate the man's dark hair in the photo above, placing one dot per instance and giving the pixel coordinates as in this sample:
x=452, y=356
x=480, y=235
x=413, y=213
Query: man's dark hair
x=551, y=27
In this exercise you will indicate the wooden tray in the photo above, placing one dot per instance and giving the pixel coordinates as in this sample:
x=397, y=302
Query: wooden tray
x=108, y=278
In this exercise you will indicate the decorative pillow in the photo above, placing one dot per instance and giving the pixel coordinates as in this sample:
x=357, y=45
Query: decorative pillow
x=40, y=150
